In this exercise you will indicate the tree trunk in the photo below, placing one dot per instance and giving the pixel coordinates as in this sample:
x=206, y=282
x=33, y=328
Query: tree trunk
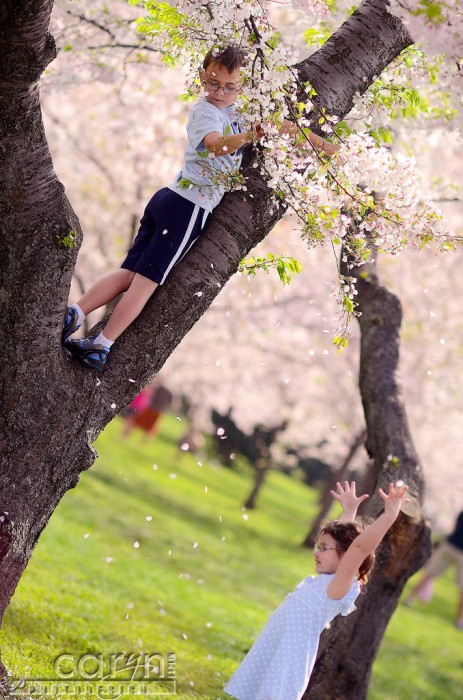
x=348, y=650
x=261, y=468
x=53, y=409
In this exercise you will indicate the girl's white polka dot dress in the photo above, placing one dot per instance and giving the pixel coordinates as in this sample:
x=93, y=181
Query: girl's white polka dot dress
x=279, y=664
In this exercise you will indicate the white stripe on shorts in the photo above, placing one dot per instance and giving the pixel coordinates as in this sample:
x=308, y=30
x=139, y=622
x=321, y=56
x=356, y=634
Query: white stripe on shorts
x=183, y=243
x=205, y=215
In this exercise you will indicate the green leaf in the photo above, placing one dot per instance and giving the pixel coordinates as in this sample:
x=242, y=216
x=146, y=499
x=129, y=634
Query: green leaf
x=340, y=341
x=184, y=183
x=385, y=134
x=348, y=304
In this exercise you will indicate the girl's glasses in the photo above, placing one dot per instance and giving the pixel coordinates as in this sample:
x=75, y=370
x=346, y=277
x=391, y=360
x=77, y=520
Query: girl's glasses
x=324, y=547
x=213, y=86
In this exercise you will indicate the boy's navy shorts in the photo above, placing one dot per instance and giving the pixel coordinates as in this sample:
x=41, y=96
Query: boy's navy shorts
x=169, y=227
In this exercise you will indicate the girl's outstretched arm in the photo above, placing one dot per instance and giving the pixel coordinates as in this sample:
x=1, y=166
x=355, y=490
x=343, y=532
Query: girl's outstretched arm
x=367, y=541
x=348, y=499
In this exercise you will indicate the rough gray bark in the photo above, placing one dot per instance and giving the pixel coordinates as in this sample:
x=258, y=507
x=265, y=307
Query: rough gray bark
x=52, y=409
x=360, y=49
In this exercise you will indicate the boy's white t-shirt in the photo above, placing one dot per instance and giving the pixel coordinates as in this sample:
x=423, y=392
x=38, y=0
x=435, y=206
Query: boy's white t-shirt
x=201, y=170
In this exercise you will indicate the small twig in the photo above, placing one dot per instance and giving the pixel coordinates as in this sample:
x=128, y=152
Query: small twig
x=93, y=22
x=118, y=45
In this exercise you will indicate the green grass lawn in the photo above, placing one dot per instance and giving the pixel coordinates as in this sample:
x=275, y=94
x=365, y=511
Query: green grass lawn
x=153, y=554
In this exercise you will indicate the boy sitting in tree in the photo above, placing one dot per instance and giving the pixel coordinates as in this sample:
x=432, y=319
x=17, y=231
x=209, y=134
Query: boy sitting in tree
x=175, y=216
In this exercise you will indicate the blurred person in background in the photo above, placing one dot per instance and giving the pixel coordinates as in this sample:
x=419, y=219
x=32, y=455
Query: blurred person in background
x=448, y=552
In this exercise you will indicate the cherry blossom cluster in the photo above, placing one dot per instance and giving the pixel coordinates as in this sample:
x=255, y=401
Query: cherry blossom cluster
x=270, y=96
x=315, y=7
x=438, y=27
x=328, y=196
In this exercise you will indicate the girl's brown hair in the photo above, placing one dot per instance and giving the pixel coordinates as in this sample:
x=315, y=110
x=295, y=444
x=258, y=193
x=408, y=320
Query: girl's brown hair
x=231, y=57
x=345, y=533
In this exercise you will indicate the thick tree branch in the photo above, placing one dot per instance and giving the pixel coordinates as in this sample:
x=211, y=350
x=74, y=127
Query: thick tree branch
x=343, y=66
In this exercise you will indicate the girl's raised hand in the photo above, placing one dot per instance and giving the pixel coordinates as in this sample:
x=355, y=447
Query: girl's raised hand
x=396, y=497
x=348, y=499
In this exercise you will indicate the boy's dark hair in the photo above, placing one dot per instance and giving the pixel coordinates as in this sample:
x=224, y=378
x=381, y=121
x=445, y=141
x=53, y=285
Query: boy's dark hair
x=345, y=533
x=231, y=57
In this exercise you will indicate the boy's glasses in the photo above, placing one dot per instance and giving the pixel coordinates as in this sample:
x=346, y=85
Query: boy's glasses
x=213, y=86
x=324, y=548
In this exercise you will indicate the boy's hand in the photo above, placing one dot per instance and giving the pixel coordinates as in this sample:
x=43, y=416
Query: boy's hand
x=348, y=499
x=396, y=497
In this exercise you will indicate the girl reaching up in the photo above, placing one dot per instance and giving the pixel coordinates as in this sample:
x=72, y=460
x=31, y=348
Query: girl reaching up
x=279, y=664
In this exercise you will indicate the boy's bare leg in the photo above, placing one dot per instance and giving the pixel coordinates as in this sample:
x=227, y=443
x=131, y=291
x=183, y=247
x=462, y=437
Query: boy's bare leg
x=130, y=306
x=105, y=290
